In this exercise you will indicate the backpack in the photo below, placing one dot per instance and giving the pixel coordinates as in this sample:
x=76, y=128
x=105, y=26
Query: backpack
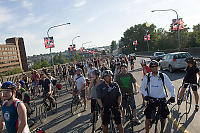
x=162, y=78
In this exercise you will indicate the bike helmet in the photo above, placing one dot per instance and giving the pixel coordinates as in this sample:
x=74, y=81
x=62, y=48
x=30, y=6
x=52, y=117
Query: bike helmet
x=79, y=69
x=153, y=63
x=9, y=85
x=107, y=72
x=190, y=60
x=123, y=65
x=96, y=72
x=143, y=62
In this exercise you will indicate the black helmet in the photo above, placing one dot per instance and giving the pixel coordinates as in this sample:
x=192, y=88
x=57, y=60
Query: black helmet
x=9, y=85
x=153, y=63
x=123, y=65
x=107, y=72
x=190, y=60
x=96, y=72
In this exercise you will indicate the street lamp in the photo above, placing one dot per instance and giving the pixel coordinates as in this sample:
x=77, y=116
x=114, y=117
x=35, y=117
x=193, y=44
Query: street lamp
x=73, y=40
x=48, y=37
x=179, y=42
x=82, y=47
x=146, y=30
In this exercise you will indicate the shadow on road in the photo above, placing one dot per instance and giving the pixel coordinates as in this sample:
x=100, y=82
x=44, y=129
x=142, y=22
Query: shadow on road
x=79, y=125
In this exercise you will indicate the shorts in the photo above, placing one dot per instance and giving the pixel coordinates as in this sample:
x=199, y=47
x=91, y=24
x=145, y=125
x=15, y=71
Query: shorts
x=194, y=87
x=150, y=110
x=131, y=102
x=94, y=105
x=82, y=93
x=106, y=116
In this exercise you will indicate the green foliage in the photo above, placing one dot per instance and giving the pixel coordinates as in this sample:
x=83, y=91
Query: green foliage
x=160, y=38
x=113, y=46
x=11, y=72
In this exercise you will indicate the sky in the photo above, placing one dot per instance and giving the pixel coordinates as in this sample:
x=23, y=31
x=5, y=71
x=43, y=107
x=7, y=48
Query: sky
x=95, y=21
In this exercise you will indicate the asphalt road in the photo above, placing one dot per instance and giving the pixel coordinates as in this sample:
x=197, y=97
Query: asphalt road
x=63, y=122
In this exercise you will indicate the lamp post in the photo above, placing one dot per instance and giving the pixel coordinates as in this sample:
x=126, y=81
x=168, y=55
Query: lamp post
x=179, y=41
x=146, y=30
x=48, y=37
x=82, y=47
x=73, y=40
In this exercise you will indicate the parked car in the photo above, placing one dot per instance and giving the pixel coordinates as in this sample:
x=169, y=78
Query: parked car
x=174, y=61
x=157, y=56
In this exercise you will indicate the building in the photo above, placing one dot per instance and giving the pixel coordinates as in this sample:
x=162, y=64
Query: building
x=13, y=55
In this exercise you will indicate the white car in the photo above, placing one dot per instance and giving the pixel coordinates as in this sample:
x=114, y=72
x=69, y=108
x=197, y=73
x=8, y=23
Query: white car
x=173, y=61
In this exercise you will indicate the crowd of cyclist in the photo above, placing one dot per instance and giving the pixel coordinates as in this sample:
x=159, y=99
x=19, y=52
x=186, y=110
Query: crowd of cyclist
x=107, y=82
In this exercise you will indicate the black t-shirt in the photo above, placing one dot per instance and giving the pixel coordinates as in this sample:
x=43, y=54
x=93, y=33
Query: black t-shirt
x=45, y=84
x=191, y=75
x=108, y=94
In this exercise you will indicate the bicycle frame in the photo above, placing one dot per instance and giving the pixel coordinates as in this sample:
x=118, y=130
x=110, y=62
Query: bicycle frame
x=157, y=117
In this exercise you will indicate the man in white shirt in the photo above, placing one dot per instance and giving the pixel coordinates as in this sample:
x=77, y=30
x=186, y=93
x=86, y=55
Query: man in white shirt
x=79, y=84
x=153, y=88
x=90, y=70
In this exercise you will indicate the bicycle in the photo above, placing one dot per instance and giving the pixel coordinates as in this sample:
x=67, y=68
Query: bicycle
x=187, y=97
x=158, y=120
x=129, y=110
x=75, y=104
x=113, y=128
x=95, y=117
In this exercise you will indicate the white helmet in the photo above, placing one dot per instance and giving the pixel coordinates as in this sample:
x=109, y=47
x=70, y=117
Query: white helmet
x=143, y=62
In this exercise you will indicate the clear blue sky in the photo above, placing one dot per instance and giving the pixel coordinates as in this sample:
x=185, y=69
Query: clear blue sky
x=99, y=21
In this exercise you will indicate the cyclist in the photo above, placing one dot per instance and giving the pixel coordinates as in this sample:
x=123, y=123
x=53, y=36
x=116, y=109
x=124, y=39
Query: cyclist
x=190, y=78
x=155, y=89
x=13, y=111
x=126, y=81
x=117, y=69
x=132, y=62
x=90, y=70
x=47, y=91
x=109, y=96
x=22, y=94
x=146, y=70
x=92, y=90
x=78, y=86
x=112, y=66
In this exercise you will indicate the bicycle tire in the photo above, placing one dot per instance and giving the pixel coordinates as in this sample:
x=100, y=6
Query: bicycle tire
x=94, y=120
x=43, y=115
x=131, y=118
x=158, y=126
x=74, y=106
x=188, y=101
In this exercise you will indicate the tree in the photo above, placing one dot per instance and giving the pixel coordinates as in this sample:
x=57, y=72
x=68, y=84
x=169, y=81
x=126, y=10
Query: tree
x=113, y=46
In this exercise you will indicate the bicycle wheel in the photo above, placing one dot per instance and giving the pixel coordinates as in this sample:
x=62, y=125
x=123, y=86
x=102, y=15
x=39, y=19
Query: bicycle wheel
x=131, y=118
x=159, y=126
x=74, y=106
x=43, y=113
x=94, y=120
x=188, y=101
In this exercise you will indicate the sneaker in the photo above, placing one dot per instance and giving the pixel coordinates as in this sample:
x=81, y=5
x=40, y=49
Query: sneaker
x=196, y=107
x=137, y=121
x=179, y=101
